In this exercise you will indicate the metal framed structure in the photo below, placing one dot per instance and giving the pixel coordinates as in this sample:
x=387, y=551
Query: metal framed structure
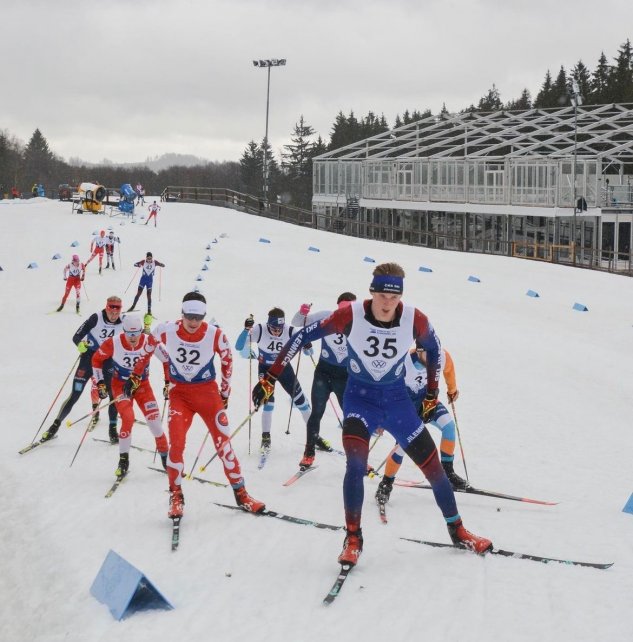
x=503, y=170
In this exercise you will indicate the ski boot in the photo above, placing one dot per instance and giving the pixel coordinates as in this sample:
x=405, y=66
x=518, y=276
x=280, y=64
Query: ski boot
x=456, y=481
x=124, y=464
x=245, y=501
x=308, y=458
x=465, y=539
x=52, y=431
x=384, y=489
x=352, y=547
x=99, y=269
x=176, y=503
x=266, y=443
x=77, y=307
x=60, y=308
x=107, y=267
x=324, y=445
x=113, y=434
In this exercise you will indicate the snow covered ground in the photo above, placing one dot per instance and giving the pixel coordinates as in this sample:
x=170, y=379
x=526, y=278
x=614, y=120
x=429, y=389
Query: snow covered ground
x=545, y=411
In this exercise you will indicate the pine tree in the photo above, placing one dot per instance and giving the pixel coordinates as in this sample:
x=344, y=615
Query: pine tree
x=599, y=94
x=251, y=169
x=297, y=164
x=581, y=75
x=522, y=103
x=621, y=77
x=38, y=164
x=544, y=96
x=560, y=90
x=491, y=101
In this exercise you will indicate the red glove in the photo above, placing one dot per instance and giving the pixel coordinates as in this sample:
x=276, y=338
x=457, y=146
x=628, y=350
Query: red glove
x=453, y=396
x=304, y=310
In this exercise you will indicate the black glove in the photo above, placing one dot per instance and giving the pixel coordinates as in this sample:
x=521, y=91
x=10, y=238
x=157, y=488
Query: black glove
x=429, y=404
x=131, y=385
x=166, y=390
x=102, y=390
x=264, y=389
x=249, y=323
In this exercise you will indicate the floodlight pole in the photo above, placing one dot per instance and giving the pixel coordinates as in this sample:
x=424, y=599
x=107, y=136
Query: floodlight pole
x=274, y=62
x=576, y=99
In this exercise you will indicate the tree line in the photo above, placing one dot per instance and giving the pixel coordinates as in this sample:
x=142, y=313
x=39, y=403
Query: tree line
x=290, y=175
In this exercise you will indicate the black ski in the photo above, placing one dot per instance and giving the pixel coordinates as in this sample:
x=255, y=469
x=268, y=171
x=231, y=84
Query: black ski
x=107, y=441
x=93, y=423
x=477, y=491
x=175, y=532
x=114, y=486
x=298, y=475
x=35, y=444
x=382, y=511
x=198, y=479
x=520, y=556
x=338, y=585
x=285, y=518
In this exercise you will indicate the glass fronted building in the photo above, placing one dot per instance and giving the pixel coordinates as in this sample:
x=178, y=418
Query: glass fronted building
x=551, y=184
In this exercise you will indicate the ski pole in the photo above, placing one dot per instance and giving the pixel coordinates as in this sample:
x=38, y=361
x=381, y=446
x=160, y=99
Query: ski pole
x=160, y=282
x=459, y=438
x=193, y=466
x=85, y=291
x=374, y=472
x=56, y=397
x=294, y=385
x=203, y=468
x=132, y=279
x=250, y=386
x=162, y=417
x=340, y=423
x=80, y=443
x=70, y=423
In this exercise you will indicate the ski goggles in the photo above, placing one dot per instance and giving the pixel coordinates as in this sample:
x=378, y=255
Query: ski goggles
x=114, y=306
x=133, y=333
x=192, y=316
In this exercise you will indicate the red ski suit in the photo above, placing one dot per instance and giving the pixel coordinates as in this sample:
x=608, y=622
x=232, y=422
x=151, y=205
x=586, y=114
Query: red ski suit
x=189, y=369
x=123, y=357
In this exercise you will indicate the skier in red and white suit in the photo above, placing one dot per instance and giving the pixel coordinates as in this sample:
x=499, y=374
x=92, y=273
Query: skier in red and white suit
x=74, y=274
x=125, y=350
x=154, y=208
x=96, y=247
x=190, y=346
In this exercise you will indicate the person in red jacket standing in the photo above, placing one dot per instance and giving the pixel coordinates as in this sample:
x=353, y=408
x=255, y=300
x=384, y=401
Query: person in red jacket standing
x=125, y=350
x=74, y=274
x=190, y=345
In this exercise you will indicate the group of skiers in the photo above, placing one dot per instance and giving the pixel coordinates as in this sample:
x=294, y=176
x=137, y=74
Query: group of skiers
x=366, y=360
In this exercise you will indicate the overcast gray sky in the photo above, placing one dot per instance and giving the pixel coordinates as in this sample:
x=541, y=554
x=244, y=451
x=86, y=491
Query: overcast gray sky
x=131, y=79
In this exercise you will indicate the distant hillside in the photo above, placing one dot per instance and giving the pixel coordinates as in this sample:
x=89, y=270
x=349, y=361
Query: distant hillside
x=156, y=164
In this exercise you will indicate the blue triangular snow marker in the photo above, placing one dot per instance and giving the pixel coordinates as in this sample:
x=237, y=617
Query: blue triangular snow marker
x=199, y=278
x=124, y=589
x=208, y=258
x=532, y=293
x=313, y=249
x=580, y=307
x=208, y=246
x=74, y=244
x=205, y=267
x=214, y=241
x=56, y=256
x=31, y=266
x=474, y=279
x=262, y=240
x=368, y=259
x=196, y=289
x=628, y=507
x=422, y=268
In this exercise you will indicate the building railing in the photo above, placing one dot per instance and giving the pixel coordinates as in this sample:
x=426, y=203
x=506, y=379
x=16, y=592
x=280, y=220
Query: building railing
x=611, y=261
x=238, y=201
